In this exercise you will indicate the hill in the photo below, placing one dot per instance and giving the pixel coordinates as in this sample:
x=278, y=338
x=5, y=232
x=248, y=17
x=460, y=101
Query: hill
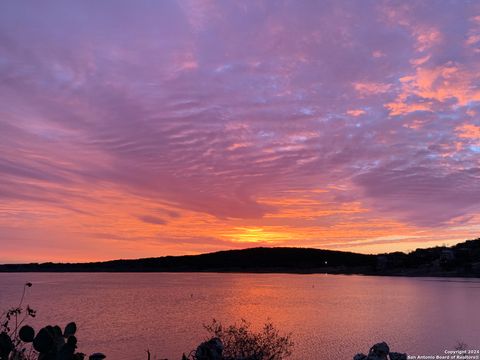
x=460, y=260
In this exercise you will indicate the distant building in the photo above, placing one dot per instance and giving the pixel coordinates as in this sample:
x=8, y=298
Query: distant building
x=447, y=255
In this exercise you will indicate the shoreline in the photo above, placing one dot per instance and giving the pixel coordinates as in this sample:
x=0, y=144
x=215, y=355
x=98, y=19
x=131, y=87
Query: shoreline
x=461, y=260
x=433, y=276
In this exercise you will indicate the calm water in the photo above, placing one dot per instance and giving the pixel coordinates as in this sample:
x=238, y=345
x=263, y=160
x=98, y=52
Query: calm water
x=331, y=317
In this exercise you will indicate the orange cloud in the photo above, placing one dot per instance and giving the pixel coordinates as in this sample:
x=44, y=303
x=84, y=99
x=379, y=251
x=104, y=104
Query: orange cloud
x=469, y=131
x=371, y=88
x=441, y=83
x=188, y=134
x=115, y=227
x=356, y=112
x=400, y=108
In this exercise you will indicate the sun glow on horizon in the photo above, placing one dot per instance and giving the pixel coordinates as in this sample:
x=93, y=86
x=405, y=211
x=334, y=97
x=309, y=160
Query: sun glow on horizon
x=257, y=235
x=184, y=134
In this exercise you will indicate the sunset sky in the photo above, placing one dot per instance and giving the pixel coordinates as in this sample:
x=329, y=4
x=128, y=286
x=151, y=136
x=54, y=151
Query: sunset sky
x=146, y=128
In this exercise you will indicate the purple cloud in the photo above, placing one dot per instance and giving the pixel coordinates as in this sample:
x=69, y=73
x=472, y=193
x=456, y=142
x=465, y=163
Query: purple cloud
x=152, y=219
x=213, y=107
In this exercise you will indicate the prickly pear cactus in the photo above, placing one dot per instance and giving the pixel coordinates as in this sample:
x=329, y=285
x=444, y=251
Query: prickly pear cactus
x=70, y=329
x=43, y=342
x=67, y=351
x=26, y=334
x=6, y=346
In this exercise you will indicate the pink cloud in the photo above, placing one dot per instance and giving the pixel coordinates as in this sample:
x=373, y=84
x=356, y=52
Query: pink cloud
x=469, y=131
x=217, y=112
x=441, y=84
x=356, y=112
x=370, y=88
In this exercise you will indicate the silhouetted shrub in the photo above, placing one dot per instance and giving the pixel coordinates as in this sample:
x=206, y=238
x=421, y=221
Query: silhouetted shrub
x=240, y=342
x=19, y=342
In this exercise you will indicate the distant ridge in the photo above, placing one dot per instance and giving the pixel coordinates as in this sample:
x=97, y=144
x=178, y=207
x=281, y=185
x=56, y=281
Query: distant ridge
x=459, y=260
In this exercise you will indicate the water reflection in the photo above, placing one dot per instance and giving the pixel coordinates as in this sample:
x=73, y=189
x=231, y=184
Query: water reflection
x=124, y=314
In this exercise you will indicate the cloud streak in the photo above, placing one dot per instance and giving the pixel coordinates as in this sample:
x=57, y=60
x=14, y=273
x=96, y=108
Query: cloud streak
x=204, y=118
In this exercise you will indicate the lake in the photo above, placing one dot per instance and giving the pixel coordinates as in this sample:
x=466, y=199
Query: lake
x=329, y=316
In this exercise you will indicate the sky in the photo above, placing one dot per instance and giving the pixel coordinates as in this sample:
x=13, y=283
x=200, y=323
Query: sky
x=134, y=129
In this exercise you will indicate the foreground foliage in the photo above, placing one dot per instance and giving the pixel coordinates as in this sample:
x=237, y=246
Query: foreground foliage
x=240, y=342
x=20, y=342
